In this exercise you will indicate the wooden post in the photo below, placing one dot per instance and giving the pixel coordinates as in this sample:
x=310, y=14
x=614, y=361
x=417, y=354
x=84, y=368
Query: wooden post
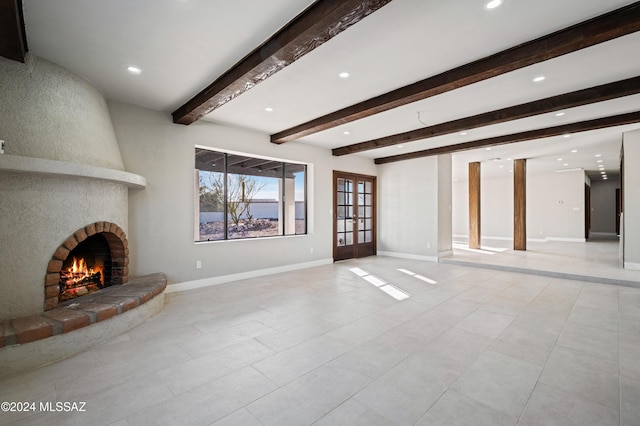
x=474, y=205
x=520, y=204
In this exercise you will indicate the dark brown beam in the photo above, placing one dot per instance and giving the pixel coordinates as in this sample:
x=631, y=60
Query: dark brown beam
x=605, y=92
x=520, y=204
x=475, y=235
x=606, y=27
x=320, y=22
x=13, y=39
x=582, y=126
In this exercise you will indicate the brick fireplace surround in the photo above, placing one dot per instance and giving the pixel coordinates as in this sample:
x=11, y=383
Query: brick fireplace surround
x=118, y=245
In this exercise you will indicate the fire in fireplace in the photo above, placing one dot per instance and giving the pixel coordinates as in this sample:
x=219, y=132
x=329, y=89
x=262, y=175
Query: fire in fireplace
x=86, y=269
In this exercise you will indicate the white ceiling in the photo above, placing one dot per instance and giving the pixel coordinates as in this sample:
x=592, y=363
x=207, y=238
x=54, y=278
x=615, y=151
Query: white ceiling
x=183, y=45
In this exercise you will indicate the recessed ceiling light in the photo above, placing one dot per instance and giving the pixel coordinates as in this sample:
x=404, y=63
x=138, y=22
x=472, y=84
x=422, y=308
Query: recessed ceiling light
x=463, y=133
x=566, y=136
x=501, y=166
x=268, y=109
x=565, y=164
x=539, y=78
x=399, y=146
x=598, y=155
x=559, y=114
x=133, y=69
x=574, y=151
x=346, y=132
x=492, y=4
x=488, y=149
x=603, y=173
x=343, y=75
x=599, y=161
x=559, y=159
x=604, y=178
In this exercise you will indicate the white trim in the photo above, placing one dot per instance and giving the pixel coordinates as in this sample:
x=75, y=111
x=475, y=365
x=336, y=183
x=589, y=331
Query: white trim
x=484, y=238
x=536, y=240
x=407, y=256
x=207, y=282
x=568, y=240
x=632, y=266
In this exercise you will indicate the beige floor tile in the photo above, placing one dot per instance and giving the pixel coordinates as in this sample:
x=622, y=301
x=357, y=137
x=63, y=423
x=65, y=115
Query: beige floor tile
x=485, y=323
x=305, y=400
x=525, y=343
x=405, y=392
x=548, y=406
x=454, y=409
x=583, y=375
x=499, y=381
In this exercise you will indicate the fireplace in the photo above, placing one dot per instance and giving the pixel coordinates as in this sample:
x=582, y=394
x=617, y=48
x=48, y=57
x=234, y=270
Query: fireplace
x=94, y=257
x=87, y=268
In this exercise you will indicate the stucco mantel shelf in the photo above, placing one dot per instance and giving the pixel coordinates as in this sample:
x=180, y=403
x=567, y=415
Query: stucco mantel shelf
x=42, y=167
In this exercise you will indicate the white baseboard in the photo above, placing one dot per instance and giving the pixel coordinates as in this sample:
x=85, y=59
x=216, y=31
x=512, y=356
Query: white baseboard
x=466, y=237
x=567, y=240
x=632, y=266
x=407, y=256
x=445, y=253
x=207, y=282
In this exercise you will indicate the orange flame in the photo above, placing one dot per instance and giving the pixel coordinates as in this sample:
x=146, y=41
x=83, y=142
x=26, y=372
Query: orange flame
x=80, y=270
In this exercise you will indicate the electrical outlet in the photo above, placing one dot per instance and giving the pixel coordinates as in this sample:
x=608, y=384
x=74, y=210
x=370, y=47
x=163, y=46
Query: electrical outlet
x=198, y=264
x=310, y=249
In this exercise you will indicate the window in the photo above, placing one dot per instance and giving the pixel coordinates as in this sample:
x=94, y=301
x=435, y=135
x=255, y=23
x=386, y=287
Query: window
x=247, y=197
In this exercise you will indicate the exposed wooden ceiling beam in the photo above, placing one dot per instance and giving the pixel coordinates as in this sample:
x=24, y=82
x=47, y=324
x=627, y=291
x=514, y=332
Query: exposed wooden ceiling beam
x=606, y=27
x=582, y=126
x=320, y=22
x=13, y=39
x=591, y=95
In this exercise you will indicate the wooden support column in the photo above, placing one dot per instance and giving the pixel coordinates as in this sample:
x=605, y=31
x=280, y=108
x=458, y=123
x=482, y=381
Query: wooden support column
x=474, y=205
x=520, y=204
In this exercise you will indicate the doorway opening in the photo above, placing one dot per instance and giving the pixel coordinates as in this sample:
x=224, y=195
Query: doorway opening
x=354, y=207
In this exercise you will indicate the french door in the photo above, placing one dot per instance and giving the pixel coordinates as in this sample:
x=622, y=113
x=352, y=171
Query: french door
x=354, y=209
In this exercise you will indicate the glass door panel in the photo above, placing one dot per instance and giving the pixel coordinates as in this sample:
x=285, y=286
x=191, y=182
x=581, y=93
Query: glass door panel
x=354, y=205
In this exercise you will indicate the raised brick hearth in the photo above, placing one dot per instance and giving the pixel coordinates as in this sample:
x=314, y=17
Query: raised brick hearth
x=83, y=311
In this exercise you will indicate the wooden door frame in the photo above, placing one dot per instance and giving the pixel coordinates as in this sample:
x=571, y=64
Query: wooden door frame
x=355, y=176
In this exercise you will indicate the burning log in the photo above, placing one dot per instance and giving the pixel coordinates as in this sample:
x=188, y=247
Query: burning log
x=79, y=280
x=69, y=280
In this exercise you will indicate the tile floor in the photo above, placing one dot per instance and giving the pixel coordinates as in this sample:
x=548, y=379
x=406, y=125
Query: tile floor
x=325, y=346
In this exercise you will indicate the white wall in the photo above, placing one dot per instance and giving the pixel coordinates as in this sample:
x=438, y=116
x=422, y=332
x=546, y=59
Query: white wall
x=603, y=206
x=631, y=197
x=460, y=207
x=496, y=207
x=161, y=217
x=48, y=112
x=555, y=206
x=408, y=208
x=445, y=201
